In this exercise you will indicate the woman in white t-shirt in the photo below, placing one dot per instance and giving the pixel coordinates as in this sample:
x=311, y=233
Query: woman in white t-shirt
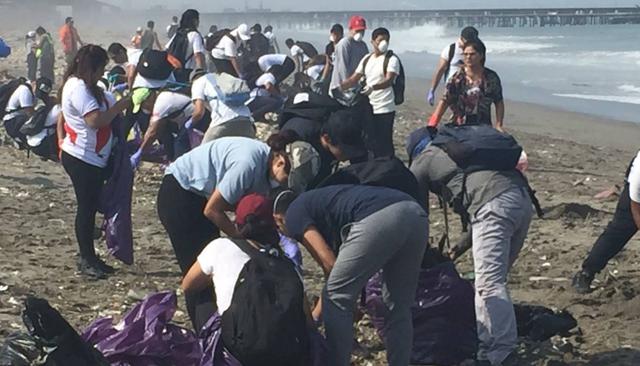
x=189, y=23
x=86, y=145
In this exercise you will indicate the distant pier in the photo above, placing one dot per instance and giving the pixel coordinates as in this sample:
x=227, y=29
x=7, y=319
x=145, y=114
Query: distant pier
x=452, y=18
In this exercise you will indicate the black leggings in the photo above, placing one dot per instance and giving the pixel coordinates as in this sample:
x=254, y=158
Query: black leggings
x=181, y=214
x=617, y=234
x=87, y=182
x=224, y=66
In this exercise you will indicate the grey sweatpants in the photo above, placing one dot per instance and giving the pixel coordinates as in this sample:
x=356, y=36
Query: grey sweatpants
x=393, y=239
x=241, y=127
x=499, y=229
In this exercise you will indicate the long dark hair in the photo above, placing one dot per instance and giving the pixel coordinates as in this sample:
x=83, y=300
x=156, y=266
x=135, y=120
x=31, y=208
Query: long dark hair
x=278, y=143
x=89, y=59
x=188, y=19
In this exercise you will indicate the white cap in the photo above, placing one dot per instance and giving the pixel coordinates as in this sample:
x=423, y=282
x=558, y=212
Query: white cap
x=243, y=32
x=139, y=29
x=31, y=34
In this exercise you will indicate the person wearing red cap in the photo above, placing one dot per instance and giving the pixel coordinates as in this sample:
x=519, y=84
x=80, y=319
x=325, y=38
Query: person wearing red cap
x=349, y=51
x=222, y=262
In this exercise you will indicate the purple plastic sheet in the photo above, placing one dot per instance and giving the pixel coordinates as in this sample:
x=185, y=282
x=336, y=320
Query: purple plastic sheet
x=444, y=324
x=115, y=202
x=145, y=337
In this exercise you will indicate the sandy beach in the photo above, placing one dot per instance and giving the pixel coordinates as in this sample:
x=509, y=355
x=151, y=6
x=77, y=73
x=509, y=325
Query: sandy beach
x=572, y=157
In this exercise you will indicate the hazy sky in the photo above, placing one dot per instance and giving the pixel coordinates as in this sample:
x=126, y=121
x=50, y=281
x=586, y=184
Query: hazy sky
x=217, y=5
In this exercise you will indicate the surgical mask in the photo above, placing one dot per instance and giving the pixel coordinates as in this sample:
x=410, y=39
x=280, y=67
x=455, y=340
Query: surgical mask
x=358, y=36
x=383, y=46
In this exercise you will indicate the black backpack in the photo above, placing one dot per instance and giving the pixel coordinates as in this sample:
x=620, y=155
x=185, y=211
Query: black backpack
x=265, y=324
x=6, y=90
x=36, y=123
x=212, y=41
x=387, y=172
x=308, y=49
x=452, y=51
x=154, y=64
x=400, y=82
x=180, y=45
x=475, y=147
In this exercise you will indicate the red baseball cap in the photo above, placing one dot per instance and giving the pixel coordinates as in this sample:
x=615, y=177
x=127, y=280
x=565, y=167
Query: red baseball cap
x=257, y=205
x=357, y=23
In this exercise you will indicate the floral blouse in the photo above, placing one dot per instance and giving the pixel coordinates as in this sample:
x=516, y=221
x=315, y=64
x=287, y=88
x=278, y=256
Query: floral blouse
x=471, y=102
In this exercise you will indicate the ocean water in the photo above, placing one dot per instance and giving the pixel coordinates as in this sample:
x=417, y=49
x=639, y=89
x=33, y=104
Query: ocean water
x=589, y=69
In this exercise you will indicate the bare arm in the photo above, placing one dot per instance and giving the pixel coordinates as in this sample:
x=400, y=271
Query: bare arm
x=437, y=114
x=155, y=35
x=215, y=210
x=635, y=212
x=389, y=78
x=319, y=250
x=60, y=128
x=98, y=119
x=437, y=75
x=500, y=115
x=235, y=64
x=131, y=76
x=351, y=81
x=152, y=133
x=195, y=279
x=198, y=110
x=199, y=57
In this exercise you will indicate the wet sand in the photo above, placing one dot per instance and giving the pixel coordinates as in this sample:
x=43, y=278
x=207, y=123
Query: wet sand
x=572, y=157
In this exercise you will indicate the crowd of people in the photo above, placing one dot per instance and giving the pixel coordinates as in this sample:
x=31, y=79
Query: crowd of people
x=192, y=104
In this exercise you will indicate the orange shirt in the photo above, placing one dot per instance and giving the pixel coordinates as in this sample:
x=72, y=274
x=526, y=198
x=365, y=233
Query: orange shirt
x=67, y=38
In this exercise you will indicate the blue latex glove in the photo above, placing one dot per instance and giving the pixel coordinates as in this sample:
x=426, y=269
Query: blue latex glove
x=189, y=123
x=431, y=97
x=120, y=87
x=135, y=159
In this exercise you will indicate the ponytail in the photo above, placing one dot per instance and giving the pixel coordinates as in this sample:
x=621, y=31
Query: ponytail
x=279, y=141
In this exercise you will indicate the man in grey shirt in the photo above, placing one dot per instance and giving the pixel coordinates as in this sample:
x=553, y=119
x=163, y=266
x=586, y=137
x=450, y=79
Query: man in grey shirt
x=349, y=51
x=500, y=212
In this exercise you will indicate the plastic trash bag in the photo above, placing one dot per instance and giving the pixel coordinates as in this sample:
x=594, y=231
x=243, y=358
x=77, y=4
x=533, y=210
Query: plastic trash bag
x=444, y=324
x=115, y=202
x=57, y=337
x=144, y=336
x=21, y=349
x=539, y=323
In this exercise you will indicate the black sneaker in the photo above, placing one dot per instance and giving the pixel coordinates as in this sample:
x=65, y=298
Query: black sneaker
x=582, y=281
x=91, y=269
x=104, y=267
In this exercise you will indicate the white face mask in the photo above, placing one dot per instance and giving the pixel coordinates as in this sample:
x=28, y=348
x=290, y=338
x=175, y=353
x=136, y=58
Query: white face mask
x=358, y=36
x=383, y=46
x=332, y=38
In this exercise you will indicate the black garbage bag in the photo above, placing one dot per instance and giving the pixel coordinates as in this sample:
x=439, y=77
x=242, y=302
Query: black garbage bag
x=540, y=323
x=63, y=344
x=21, y=349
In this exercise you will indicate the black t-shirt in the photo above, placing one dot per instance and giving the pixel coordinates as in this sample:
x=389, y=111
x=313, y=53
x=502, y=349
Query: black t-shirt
x=329, y=209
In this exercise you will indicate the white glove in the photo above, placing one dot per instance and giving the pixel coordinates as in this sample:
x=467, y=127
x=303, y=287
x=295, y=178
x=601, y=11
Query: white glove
x=367, y=90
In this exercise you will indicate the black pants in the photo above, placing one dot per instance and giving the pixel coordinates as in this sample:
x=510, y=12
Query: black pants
x=181, y=214
x=379, y=134
x=617, y=234
x=87, y=183
x=224, y=66
x=288, y=67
